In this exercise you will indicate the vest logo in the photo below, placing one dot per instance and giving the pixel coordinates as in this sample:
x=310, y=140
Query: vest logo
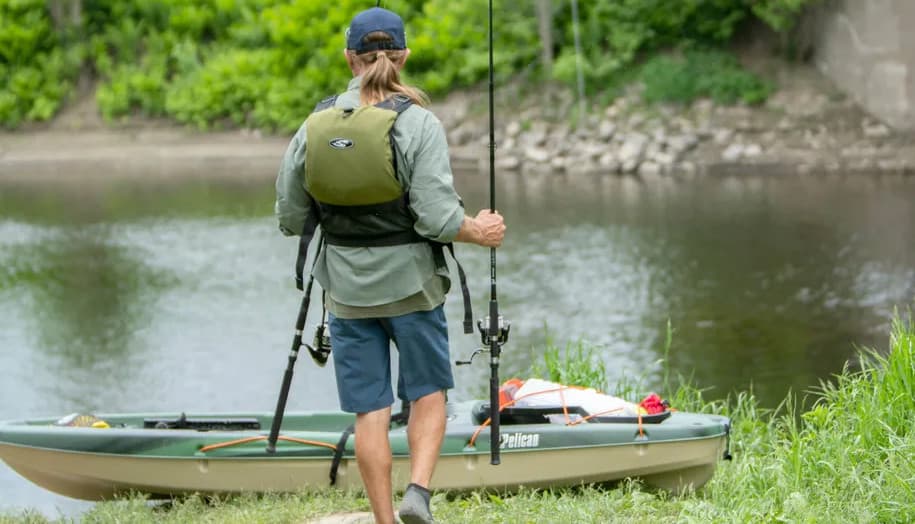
x=341, y=143
x=519, y=440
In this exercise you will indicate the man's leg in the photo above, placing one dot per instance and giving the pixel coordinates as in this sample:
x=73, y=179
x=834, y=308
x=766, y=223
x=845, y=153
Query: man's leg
x=425, y=370
x=373, y=454
x=361, y=352
x=425, y=432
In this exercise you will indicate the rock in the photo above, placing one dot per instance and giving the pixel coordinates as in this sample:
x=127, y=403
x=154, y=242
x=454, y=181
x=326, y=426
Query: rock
x=876, y=131
x=680, y=144
x=513, y=129
x=703, y=105
x=606, y=131
x=724, y=135
x=461, y=135
x=732, y=153
x=609, y=163
x=508, y=162
x=537, y=154
x=558, y=163
x=665, y=158
x=752, y=150
x=629, y=166
x=535, y=137
x=590, y=150
x=636, y=120
x=633, y=148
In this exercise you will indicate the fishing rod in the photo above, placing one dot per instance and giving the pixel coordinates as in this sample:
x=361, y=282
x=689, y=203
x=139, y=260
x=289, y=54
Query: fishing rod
x=495, y=320
x=319, y=353
x=493, y=328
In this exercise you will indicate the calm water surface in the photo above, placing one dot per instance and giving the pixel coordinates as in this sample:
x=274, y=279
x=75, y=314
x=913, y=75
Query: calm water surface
x=171, y=296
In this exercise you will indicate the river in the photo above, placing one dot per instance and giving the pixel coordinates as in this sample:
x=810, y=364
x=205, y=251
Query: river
x=140, y=294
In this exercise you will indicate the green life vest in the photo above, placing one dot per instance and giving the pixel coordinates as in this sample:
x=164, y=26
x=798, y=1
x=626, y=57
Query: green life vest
x=351, y=176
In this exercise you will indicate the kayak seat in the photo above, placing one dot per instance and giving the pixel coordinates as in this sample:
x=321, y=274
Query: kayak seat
x=540, y=415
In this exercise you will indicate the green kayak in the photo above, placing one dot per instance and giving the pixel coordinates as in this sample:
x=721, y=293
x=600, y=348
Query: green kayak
x=165, y=455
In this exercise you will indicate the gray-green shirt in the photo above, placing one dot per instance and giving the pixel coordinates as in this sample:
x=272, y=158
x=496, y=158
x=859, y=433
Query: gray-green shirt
x=392, y=280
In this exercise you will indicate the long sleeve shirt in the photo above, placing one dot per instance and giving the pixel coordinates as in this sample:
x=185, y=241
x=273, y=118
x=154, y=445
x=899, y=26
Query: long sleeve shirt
x=389, y=280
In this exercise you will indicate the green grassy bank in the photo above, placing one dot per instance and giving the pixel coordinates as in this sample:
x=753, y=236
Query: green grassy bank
x=850, y=458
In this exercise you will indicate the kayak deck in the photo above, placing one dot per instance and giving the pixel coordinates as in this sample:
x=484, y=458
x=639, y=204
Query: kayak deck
x=132, y=455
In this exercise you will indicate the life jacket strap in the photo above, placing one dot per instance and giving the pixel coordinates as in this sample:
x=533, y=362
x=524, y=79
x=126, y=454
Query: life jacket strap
x=338, y=453
x=308, y=232
x=465, y=292
x=326, y=103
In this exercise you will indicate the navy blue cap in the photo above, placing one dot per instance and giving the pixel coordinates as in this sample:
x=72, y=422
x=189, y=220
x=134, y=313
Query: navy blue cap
x=370, y=21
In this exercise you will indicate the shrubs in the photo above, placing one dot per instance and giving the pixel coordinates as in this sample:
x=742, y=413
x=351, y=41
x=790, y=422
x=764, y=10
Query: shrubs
x=264, y=63
x=35, y=72
x=700, y=73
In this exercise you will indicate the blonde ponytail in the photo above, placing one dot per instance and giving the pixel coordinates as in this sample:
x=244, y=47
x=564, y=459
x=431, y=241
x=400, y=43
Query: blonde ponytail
x=381, y=75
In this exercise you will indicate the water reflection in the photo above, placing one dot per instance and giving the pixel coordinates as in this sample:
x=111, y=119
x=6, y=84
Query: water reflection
x=87, y=297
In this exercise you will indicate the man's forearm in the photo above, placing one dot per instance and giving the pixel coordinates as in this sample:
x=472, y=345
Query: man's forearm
x=470, y=231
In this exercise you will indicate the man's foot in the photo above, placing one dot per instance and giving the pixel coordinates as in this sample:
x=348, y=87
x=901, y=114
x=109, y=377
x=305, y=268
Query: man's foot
x=414, y=508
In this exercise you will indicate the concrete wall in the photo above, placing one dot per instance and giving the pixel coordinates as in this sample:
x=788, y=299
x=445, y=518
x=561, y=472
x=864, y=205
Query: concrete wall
x=867, y=47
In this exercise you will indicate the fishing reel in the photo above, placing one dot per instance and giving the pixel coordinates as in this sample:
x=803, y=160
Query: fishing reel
x=486, y=339
x=320, y=348
x=504, y=327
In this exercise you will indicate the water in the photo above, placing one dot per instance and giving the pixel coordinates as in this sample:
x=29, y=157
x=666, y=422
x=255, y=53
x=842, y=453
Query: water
x=143, y=294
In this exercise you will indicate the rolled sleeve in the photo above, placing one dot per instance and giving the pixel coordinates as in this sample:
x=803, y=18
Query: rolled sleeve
x=433, y=199
x=292, y=203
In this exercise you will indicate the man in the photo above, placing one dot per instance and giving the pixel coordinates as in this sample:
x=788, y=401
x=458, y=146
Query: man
x=385, y=213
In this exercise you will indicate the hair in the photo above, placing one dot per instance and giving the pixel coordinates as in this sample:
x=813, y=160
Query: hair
x=380, y=75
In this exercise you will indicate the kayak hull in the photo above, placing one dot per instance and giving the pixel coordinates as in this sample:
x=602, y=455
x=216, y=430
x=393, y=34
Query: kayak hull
x=678, y=454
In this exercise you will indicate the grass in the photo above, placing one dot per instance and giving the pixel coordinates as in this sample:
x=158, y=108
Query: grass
x=850, y=458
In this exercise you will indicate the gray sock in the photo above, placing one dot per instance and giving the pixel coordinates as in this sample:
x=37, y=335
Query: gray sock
x=414, y=508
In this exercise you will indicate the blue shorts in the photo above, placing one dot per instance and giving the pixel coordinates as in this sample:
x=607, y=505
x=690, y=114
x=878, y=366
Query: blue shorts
x=361, y=350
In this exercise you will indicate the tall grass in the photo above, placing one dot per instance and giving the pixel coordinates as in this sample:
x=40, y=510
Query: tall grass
x=850, y=458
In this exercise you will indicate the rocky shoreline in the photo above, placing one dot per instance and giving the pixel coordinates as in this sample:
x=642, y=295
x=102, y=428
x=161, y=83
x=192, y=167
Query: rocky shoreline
x=805, y=127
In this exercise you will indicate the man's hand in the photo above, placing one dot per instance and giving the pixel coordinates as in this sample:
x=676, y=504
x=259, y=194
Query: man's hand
x=486, y=229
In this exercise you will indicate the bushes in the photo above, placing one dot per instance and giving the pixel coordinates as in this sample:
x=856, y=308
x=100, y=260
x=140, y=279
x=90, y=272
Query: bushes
x=265, y=63
x=700, y=73
x=35, y=72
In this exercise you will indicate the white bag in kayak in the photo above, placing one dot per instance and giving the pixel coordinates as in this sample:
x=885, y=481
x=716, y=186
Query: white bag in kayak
x=535, y=392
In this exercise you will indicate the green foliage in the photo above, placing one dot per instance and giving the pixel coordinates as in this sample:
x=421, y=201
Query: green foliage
x=577, y=365
x=35, y=72
x=616, y=33
x=780, y=15
x=264, y=63
x=700, y=73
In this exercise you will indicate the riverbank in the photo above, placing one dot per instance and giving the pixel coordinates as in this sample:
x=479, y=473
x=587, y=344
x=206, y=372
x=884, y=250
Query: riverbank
x=806, y=127
x=787, y=467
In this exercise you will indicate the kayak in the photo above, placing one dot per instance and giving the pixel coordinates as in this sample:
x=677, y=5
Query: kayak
x=165, y=455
